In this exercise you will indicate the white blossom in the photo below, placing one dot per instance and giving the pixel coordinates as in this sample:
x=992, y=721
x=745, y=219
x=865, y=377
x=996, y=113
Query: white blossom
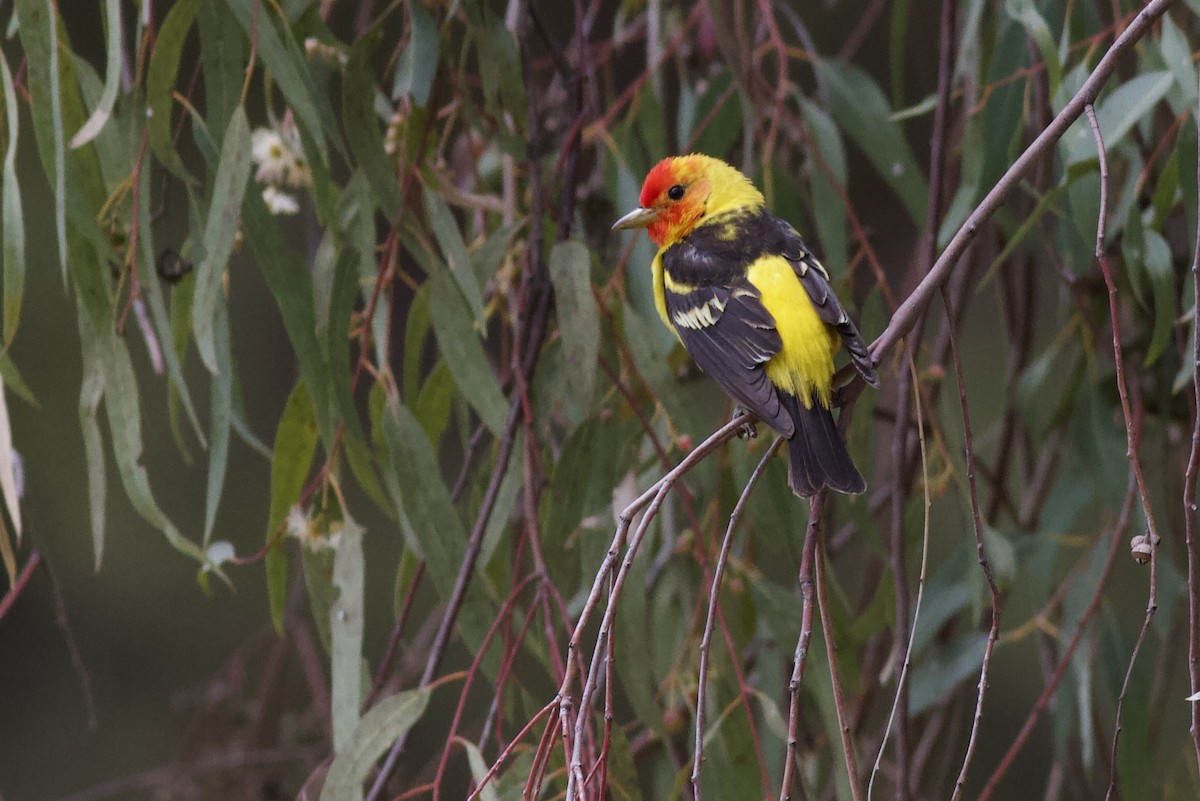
x=279, y=202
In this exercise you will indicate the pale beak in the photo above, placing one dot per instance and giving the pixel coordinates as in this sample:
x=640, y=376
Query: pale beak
x=638, y=218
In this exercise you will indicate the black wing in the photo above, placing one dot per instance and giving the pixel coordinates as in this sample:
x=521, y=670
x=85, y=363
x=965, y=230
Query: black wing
x=815, y=280
x=731, y=336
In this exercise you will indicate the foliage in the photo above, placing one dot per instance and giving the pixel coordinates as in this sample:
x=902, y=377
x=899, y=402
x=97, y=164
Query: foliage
x=425, y=190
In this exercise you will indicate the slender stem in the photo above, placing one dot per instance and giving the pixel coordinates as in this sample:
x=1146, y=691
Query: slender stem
x=1043, y=701
x=910, y=310
x=800, y=658
x=977, y=521
x=835, y=677
x=1189, y=507
x=714, y=593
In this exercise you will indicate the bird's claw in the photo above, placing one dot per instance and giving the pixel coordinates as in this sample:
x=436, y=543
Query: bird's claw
x=748, y=429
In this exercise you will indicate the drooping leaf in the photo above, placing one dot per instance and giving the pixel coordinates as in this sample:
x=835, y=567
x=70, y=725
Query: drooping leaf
x=862, y=112
x=160, y=77
x=454, y=251
x=112, y=77
x=220, y=230
x=418, y=62
x=1026, y=13
x=8, y=467
x=578, y=322
x=13, y=216
x=220, y=414
x=38, y=26
x=295, y=444
x=463, y=352
x=828, y=209
x=363, y=136
x=346, y=618
x=378, y=729
x=1116, y=114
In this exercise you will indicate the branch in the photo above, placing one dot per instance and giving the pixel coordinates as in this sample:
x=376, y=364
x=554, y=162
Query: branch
x=912, y=307
x=713, y=596
x=800, y=658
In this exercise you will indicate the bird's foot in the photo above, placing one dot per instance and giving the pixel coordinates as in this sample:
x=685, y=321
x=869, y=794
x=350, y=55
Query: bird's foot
x=748, y=429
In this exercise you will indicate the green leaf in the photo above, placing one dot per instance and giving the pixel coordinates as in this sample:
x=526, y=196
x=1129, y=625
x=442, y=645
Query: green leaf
x=436, y=527
x=433, y=405
x=1158, y=265
x=223, y=52
x=125, y=427
x=220, y=416
x=862, y=112
x=346, y=625
x=828, y=209
x=290, y=282
x=91, y=391
x=464, y=354
x=112, y=77
x=295, y=444
x=1177, y=55
x=160, y=78
x=13, y=216
x=951, y=664
x=426, y=503
x=479, y=769
x=378, y=729
x=454, y=250
x=1116, y=114
x=289, y=70
x=220, y=230
x=578, y=323
x=38, y=21
x=416, y=330
x=419, y=61
x=1024, y=12
x=362, y=123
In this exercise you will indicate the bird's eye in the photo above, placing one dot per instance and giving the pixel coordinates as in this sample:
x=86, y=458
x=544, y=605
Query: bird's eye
x=676, y=192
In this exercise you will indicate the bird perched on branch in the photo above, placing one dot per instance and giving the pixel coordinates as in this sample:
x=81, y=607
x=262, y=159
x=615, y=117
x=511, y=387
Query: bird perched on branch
x=753, y=307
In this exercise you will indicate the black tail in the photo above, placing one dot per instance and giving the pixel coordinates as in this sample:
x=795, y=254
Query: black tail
x=817, y=457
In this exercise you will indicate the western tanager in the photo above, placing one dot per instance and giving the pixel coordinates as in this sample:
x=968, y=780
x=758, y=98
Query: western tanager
x=753, y=307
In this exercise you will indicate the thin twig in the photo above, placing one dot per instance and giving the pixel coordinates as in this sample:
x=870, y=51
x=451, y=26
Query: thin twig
x=835, y=677
x=1133, y=426
x=976, y=519
x=901, y=681
x=18, y=586
x=910, y=310
x=1043, y=701
x=1189, y=506
x=800, y=657
x=713, y=598
x=575, y=780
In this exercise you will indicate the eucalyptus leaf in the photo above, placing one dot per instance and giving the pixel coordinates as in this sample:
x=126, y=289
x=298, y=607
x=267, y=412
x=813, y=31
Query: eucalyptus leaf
x=295, y=445
x=220, y=231
x=389, y=719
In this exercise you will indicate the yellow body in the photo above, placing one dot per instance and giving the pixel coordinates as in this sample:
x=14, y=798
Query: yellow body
x=733, y=282
x=805, y=365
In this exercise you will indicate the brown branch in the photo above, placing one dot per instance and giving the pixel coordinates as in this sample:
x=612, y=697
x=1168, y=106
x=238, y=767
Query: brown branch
x=1133, y=427
x=800, y=657
x=835, y=677
x=976, y=519
x=713, y=597
x=18, y=586
x=1060, y=670
x=910, y=310
x=1189, y=507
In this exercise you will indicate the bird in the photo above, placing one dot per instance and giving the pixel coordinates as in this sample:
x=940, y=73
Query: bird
x=753, y=307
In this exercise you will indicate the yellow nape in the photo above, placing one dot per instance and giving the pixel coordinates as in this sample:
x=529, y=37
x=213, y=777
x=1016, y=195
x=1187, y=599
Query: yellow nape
x=728, y=188
x=805, y=365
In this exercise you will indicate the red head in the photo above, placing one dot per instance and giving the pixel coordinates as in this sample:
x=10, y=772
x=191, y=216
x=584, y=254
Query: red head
x=681, y=191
